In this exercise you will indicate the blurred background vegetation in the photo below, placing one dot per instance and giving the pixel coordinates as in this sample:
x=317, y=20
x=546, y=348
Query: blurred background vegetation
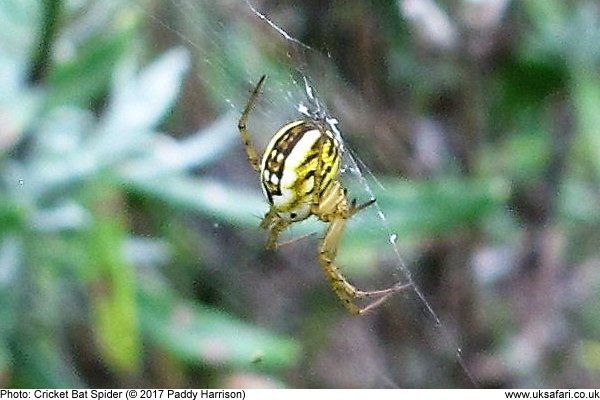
x=130, y=253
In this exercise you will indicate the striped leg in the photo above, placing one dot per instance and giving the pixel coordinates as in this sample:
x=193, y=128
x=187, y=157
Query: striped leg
x=242, y=126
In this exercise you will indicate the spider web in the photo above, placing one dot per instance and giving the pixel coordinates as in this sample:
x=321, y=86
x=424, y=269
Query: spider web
x=353, y=165
x=287, y=96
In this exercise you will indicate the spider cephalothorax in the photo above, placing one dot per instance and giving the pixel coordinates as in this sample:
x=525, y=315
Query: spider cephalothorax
x=299, y=172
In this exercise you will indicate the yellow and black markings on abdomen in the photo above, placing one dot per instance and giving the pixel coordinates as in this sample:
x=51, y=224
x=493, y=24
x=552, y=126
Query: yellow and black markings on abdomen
x=291, y=160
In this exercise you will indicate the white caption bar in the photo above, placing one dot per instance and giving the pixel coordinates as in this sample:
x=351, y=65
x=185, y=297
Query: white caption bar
x=277, y=394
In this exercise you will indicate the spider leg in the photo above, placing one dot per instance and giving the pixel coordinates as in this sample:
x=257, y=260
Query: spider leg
x=384, y=293
x=274, y=232
x=269, y=218
x=374, y=304
x=354, y=208
x=275, y=224
x=295, y=239
x=242, y=126
x=347, y=292
x=359, y=294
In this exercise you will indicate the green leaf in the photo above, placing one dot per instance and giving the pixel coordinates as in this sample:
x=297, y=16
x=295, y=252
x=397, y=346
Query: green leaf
x=166, y=156
x=524, y=84
x=209, y=197
x=198, y=333
x=85, y=77
x=435, y=207
x=12, y=217
x=140, y=101
x=585, y=88
x=113, y=286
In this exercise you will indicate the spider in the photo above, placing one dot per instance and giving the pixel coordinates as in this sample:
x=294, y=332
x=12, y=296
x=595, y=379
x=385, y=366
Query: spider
x=299, y=172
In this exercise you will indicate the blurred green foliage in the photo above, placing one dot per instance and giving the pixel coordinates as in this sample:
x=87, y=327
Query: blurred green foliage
x=129, y=247
x=68, y=261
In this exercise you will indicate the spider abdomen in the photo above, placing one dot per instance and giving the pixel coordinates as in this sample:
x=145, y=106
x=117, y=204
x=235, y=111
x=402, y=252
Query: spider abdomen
x=289, y=165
